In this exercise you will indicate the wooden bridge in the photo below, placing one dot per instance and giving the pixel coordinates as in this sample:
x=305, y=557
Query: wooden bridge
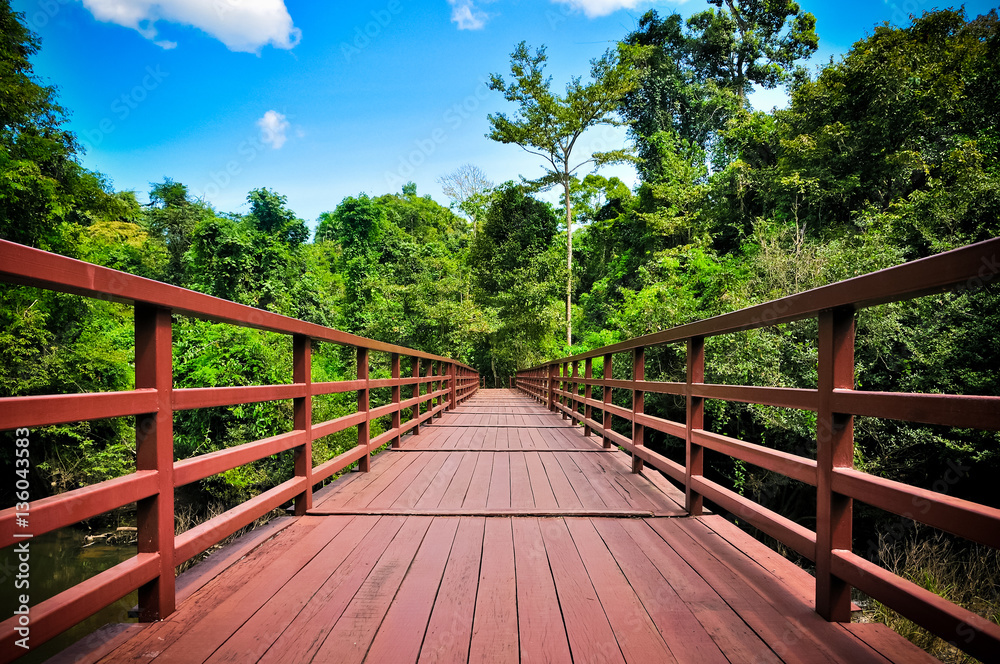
x=501, y=525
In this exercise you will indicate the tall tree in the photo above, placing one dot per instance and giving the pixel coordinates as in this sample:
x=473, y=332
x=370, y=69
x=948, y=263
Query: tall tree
x=751, y=42
x=549, y=125
x=467, y=186
x=695, y=76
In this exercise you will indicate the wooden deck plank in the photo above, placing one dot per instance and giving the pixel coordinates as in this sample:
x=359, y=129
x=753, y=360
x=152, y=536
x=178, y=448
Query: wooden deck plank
x=541, y=490
x=590, y=636
x=252, y=639
x=348, y=641
x=449, y=631
x=499, y=482
x=479, y=487
x=402, y=631
x=634, y=630
x=454, y=495
x=521, y=496
x=688, y=639
x=541, y=631
x=308, y=629
x=432, y=495
x=406, y=492
x=494, y=630
x=789, y=627
x=584, y=490
x=565, y=496
x=728, y=631
x=254, y=578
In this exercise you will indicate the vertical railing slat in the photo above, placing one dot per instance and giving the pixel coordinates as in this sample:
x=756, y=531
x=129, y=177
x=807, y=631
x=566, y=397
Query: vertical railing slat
x=606, y=398
x=302, y=418
x=694, y=465
x=396, y=398
x=638, y=404
x=154, y=438
x=364, y=406
x=834, y=449
x=588, y=413
x=416, y=393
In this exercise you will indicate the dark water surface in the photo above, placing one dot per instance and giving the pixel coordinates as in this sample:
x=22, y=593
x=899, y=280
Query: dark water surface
x=58, y=561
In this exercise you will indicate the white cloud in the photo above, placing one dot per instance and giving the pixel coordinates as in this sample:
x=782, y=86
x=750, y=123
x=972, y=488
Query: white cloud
x=467, y=15
x=242, y=25
x=595, y=8
x=272, y=129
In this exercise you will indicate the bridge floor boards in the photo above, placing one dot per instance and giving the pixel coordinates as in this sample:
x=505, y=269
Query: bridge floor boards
x=480, y=555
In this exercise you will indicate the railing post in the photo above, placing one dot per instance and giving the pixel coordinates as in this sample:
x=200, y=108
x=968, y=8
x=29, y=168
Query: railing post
x=834, y=449
x=638, y=404
x=552, y=387
x=396, y=394
x=154, y=438
x=302, y=414
x=695, y=417
x=588, y=374
x=575, y=399
x=564, y=388
x=453, y=376
x=364, y=406
x=436, y=401
x=416, y=393
x=606, y=399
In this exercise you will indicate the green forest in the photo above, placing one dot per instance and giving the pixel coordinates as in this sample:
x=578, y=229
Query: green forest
x=886, y=155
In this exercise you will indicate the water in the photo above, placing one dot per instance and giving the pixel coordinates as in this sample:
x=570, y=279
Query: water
x=58, y=561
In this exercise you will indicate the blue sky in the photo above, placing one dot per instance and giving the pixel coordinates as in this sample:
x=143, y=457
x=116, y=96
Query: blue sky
x=322, y=100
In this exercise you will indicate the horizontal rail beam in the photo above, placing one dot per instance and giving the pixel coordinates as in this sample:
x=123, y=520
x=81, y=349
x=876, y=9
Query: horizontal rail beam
x=57, y=614
x=972, y=521
x=65, y=509
x=37, y=411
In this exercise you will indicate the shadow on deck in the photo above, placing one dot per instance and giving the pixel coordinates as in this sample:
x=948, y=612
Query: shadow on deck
x=500, y=533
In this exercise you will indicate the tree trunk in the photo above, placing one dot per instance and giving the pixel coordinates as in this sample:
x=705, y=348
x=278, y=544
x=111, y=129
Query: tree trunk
x=569, y=268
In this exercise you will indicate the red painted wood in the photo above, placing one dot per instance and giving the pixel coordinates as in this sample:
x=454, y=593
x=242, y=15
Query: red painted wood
x=499, y=497
x=353, y=633
x=687, y=638
x=231, y=634
x=635, y=632
x=449, y=631
x=205, y=465
x=210, y=397
x=442, y=479
x=308, y=629
x=520, y=485
x=479, y=488
x=767, y=607
x=55, y=615
x=68, y=508
x=494, y=629
x=542, y=635
x=36, y=411
x=401, y=632
x=154, y=450
x=243, y=588
x=728, y=631
x=541, y=490
x=591, y=638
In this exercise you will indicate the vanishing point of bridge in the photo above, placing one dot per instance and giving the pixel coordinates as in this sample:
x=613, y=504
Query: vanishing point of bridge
x=500, y=525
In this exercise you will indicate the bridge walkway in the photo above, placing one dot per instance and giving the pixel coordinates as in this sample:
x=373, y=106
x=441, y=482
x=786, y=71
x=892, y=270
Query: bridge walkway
x=501, y=533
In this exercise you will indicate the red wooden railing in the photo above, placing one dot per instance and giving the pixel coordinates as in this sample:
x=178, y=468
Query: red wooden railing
x=836, y=402
x=154, y=401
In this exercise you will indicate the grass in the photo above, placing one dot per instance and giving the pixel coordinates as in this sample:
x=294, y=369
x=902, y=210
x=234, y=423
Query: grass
x=965, y=574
